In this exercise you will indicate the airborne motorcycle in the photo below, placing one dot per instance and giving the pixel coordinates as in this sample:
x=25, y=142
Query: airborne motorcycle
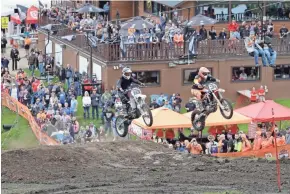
x=210, y=102
x=125, y=116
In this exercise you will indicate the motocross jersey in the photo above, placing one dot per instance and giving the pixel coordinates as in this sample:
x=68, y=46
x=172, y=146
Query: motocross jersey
x=126, y=83
x=198, y=82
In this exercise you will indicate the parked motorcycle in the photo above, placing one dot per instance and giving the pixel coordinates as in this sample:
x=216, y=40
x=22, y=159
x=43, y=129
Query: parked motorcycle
x=123, y=120
x=210, y=102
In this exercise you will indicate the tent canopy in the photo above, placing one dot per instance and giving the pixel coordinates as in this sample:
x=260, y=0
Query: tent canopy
x=32, y=15
x=164, y=118
x=265, y=111
x=15, y=18
x=216, y=119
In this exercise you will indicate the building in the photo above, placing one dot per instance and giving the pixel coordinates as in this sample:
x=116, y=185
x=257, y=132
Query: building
x=154, y=65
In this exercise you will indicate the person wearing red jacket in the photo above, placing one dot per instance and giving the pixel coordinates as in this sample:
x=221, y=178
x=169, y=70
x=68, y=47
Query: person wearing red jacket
x=233, y=28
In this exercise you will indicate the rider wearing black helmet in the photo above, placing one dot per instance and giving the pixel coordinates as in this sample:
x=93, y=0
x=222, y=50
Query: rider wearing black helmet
x=125, y=82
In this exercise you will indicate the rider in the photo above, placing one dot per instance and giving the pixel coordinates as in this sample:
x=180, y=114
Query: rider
x=200, y=79
x=125, y=82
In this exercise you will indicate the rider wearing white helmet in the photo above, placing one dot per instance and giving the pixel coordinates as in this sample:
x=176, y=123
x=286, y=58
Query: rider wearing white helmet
x=125, y=82
x=202, y=77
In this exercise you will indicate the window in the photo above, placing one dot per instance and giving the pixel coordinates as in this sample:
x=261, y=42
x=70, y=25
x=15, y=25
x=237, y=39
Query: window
x=282, y=72
x=240, y=74
x=151, y=78
x=189, y=75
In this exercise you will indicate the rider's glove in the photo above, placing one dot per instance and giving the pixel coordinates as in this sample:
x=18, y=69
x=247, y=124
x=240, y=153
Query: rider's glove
x=142, y=84
x=217, y=80
x=205, y=90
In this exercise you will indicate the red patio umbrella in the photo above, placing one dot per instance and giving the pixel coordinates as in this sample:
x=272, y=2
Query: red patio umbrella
x=15, y=18
x=32, y=15
x=263, y=111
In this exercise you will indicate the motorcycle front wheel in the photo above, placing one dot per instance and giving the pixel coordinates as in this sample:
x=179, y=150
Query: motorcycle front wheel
x=121, y=126
x=147, y=115
x=197, y=124
x=227, y=110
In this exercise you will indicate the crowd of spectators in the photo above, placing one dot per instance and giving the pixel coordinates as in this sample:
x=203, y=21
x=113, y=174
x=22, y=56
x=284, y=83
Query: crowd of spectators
x=226, y=142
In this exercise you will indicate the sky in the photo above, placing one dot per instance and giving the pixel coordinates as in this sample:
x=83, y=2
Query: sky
x=7, y=5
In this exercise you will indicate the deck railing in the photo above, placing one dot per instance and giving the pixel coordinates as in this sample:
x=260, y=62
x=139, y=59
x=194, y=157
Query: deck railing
x=162, y=50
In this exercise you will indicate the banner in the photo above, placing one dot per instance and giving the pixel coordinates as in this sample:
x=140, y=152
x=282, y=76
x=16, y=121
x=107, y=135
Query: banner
x=140, y=132
x=4, y=22
x=13, y=104
x=283, y=151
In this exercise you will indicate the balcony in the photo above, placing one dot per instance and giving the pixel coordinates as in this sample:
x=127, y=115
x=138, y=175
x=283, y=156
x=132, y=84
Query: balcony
x=148, y=52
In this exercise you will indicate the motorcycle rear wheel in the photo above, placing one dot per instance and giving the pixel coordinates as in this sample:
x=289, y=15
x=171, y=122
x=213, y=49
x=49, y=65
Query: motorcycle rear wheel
x=227, y=106
x=197, y=124
x=147, y=115
x=121, y=126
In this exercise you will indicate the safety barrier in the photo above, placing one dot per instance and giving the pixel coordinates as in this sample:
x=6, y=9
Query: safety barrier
x=23, y=111
x=283, y=151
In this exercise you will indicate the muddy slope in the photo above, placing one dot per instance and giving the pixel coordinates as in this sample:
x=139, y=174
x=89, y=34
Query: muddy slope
x=133, y=167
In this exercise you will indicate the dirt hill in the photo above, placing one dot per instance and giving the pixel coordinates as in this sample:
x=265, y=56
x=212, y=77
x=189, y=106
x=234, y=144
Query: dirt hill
x=134, y=167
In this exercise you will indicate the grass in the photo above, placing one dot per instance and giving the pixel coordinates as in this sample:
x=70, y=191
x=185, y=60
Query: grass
x=19, y=137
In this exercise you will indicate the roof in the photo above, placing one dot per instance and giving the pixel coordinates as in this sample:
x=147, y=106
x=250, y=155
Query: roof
x=263, y=111
x=169, y=3
x=216, y=119
x=164, y=118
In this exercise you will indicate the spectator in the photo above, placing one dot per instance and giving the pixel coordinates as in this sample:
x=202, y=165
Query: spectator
x=283, y=32
x=261, y=94
x=230, y=142
x=243, y=75
x=267, y=140
x=14, y=92
x=106, y=97
x=32, y=62
x=27, y=42
x=243, y=30
x=179, y=147
x=86, y=105
x=14, y=54
x=194, y=147
x=203, y=33
x=3, y=44
x=254, y=49
x=108, y=116
x=107, y=11
x=237, y=143
x=167, y=105
x=246, y=143
x=73, y=106
x=223, y=34
x=95, y=97
x=161, y=99
x=178, y=39
x=211, y=146
x=212, y=33
x=40, y=63
x=257, y=141
x=69, y=75
x=222, y=144
x=4, y=62
x=233, y=29
x=154, y=104
x=254, y=95
x=190, y=106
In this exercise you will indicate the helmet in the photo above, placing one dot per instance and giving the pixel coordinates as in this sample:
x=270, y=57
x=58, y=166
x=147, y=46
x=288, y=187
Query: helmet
x=127, y=73
x=203, y=72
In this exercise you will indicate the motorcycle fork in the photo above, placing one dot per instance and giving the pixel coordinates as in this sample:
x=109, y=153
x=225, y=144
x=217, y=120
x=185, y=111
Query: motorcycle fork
x=217, y=99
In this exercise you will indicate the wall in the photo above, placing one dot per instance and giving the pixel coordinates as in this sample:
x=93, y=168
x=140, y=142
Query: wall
x=125, y=9
x=171, y=79
x=184, y=12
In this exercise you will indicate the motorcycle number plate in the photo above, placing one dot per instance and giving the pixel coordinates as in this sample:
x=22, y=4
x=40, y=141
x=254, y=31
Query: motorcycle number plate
x=212, y=87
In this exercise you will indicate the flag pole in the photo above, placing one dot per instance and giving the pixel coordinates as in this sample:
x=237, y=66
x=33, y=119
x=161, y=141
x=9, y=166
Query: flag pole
x=277, y=158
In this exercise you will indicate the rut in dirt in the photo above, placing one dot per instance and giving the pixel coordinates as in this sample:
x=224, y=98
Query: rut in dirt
x=133, y=166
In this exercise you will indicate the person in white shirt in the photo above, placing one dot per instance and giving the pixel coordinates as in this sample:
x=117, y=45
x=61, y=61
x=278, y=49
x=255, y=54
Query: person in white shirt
x=86, y=105
x=243, y=76
x=14, y=92
x=254, y=49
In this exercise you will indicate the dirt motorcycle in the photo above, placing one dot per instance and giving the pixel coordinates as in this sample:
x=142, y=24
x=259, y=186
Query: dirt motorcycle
x=211, y=100
x=126, y=115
